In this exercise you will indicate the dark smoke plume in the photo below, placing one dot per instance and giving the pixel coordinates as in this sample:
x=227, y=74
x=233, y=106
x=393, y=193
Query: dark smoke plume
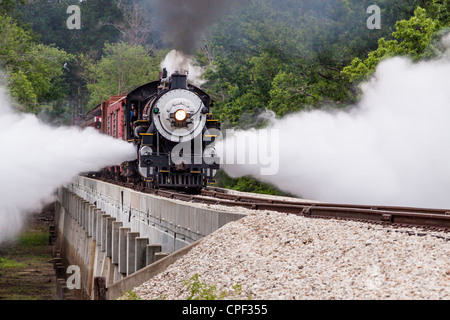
x=182, y=22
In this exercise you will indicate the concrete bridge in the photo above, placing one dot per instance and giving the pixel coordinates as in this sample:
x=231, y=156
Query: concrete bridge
x=116, y=238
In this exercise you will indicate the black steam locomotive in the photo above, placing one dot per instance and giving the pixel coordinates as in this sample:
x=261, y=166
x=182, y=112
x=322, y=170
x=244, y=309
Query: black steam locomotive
x=170, y=123
x=174, y=134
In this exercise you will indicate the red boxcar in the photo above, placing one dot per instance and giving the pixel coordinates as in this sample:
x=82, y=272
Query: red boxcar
x=112, y=113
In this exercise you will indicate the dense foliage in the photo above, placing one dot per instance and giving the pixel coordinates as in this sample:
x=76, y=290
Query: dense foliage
x=412, y=38
x=287, y=55
x=277, y=55
x=121, y=69
x=34, y=72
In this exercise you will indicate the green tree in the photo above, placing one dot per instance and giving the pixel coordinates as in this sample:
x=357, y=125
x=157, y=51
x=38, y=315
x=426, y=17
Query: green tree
x=247, y=184
x=290, y=92
x=34, y=71
x=6, y=6
x=48, y=20
x=440, y=10
x=412, y=38
x=121, y=69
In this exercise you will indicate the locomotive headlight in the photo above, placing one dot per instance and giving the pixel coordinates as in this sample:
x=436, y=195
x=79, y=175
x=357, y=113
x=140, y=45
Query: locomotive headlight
x=180, y=115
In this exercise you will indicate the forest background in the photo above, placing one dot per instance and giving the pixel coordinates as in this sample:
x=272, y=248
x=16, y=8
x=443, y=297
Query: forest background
x=258, y=56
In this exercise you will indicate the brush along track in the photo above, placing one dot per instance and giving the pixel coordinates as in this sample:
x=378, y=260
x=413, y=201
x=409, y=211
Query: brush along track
x=435, y=219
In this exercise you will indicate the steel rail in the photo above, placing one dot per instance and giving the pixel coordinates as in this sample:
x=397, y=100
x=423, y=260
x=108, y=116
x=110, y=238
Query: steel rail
x=438, y=219
x=253, y=199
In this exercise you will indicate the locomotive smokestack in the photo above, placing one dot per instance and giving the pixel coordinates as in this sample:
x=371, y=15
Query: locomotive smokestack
x=175, y=61
x=179, y=81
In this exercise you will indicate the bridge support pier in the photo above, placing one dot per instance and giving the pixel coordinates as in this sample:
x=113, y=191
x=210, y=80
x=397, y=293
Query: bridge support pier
x=103, y=232
x=109, y=233
x=123, y=232
x=141, y=253
x=115, y=241
x=152, y=249
x=131, y=252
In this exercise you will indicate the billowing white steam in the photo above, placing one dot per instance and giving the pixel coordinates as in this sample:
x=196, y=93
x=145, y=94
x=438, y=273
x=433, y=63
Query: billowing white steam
x=177, y=61
x=392, y=148
x=36, y=159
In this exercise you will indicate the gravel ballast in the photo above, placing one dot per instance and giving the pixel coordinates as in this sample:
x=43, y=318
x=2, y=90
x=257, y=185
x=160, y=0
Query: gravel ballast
x=279, y=256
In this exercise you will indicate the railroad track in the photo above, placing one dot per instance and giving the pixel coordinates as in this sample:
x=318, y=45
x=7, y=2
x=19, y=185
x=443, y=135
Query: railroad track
x=435, y=219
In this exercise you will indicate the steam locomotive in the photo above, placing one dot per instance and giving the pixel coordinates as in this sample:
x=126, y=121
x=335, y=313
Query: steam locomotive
x=170, y=123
